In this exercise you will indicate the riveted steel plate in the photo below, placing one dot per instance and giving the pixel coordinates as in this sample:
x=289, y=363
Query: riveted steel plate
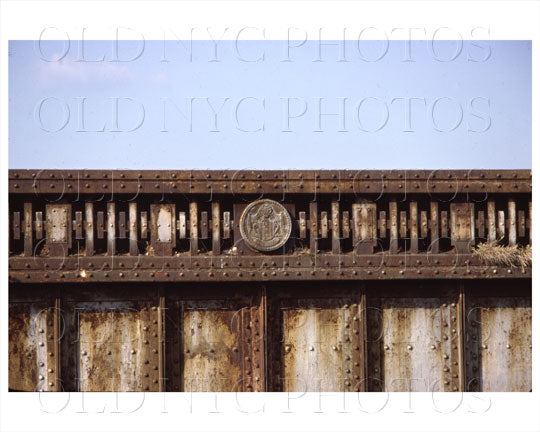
x=58, y=228
x=265, y=225
x=499, y=343
x=215, y=345
x=111, y=346
x=316, y=344
x=212, y=344
x=30, y=330
x=413, y=343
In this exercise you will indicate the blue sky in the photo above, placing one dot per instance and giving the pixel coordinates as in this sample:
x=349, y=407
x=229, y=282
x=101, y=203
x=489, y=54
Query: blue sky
x=262, y=104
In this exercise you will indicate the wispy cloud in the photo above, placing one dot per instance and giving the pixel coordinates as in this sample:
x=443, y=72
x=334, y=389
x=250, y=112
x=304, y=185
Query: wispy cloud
x=55, y=73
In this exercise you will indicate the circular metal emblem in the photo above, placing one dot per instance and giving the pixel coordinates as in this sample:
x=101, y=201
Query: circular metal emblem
x=265, y=225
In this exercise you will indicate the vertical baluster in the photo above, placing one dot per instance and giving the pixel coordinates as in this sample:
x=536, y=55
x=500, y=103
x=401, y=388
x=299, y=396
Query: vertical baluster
x=28, y=232
x=434, y=219
x=133, y=241
x=512, y=234
x=216, y=240
x=193, y=231
x=111, y=229
x=89, y=228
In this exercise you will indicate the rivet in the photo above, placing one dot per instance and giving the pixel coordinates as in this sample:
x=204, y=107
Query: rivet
x=386, y=347
x=41, y=377
x=508, y=346
x=311, y=348
x=50, y=371
x=433, y=347
x=84, y=353
x=409, y=347
x=484, y=346
x=133, y=351
x=445, y=356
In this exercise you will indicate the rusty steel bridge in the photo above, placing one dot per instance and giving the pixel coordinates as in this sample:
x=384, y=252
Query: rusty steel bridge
x=268, y=280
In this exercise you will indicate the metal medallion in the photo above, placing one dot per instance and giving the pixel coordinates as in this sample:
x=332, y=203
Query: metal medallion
x=265, y=225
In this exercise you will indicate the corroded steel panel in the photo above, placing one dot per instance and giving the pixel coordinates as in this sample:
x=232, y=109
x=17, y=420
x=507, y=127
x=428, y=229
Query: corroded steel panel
x=215, y=345
x=212, y=348
x=499, y=344
x=31, y=359
x=112, y=346
x=413, y=343
x=317, y=344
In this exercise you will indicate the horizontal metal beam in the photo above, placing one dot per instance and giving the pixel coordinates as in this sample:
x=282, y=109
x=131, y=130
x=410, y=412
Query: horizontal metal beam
x=250, y=182
x=305, y=267
x=240, y=275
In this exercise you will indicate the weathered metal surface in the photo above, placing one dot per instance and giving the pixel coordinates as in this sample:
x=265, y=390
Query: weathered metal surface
x=450, y=182
x=216, y=337
x=162, y=228
x=256, y=268
x=111, y=346
x=32, y=357
x=212, y=347
x=215, y=344
x=58, y=228
x=318, y=351
x=265, y=225
x=317, y=344
x=256, y=319
x=413, y=342
x=463, y=214
x=499, y=342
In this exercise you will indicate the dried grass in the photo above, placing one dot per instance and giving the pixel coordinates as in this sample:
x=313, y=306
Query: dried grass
x=44, y=251
x=149, y=250
x=494, y=253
